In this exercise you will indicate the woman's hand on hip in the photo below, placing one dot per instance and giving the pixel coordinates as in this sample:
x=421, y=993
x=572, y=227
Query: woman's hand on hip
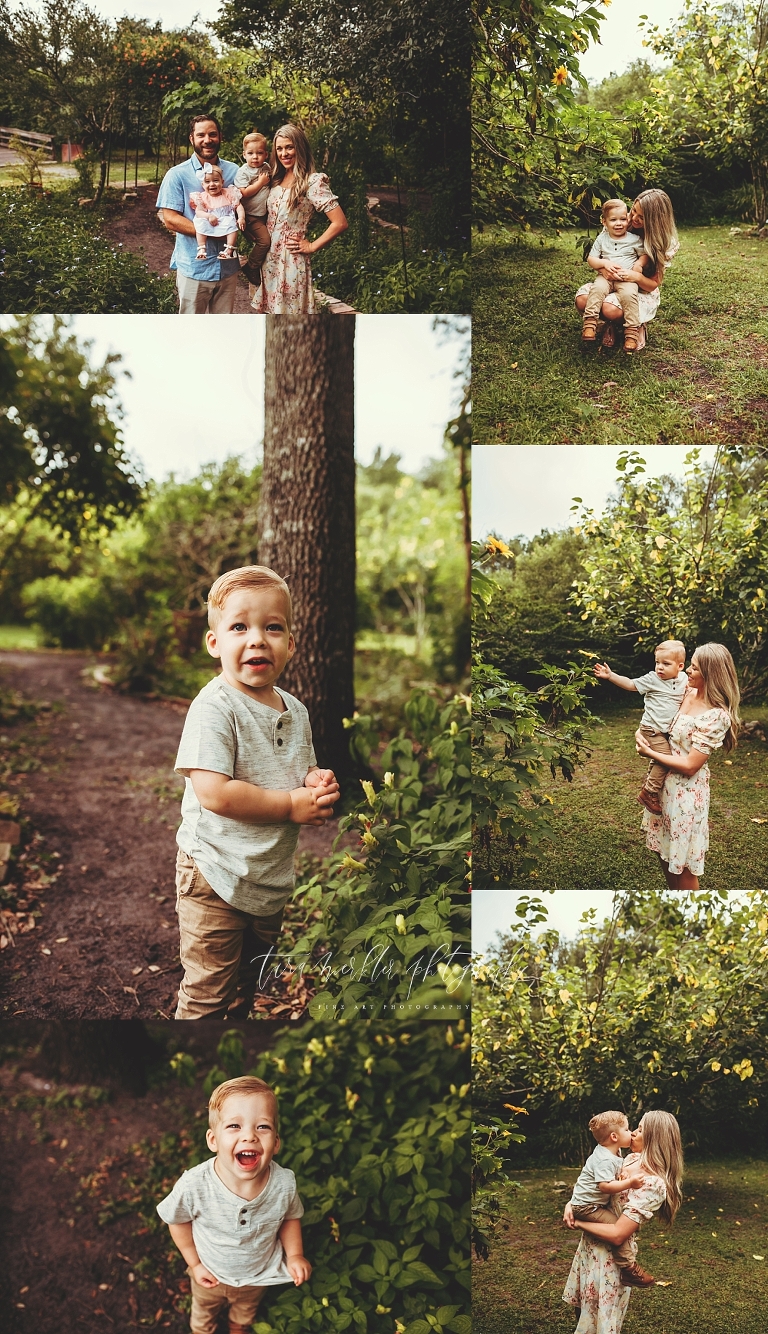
x=300, y=245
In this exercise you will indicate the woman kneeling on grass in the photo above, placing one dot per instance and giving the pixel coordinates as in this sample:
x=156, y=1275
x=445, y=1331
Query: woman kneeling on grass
x=707, y=719
x=594, y=1284
x=652, y=219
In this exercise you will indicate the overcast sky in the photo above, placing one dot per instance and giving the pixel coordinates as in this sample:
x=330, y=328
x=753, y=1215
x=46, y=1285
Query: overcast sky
x=493, y=911
x=182, y=371
x=519, y=489
x=621, y=40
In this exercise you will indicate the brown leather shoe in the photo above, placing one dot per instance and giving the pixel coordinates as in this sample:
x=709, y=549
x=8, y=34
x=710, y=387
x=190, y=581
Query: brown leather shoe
x=252, y=272
x=589, y=330
x=634, y=338
x=650, y=800
x=239, y=1329
x=635, y=1277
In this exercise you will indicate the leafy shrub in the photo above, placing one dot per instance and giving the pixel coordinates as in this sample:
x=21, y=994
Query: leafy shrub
x=517, y=735
x=53, y=258
x=372, y=280
x=72, y=613
x=395, y=927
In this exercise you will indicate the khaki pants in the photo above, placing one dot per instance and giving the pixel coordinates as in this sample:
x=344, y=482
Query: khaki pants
x=218, y=944
x=626, y=292
x=197, y=297
x=257, y=231
x=207, y=1302
x=654, y=779
x=594, y=1213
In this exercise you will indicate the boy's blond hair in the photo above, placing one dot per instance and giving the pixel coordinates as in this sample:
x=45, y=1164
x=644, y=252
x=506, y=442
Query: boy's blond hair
x=605, y=1123
x=247, y=576
x=245, y=1084
x=609, y=206
x=674, y=646
x=255, y=137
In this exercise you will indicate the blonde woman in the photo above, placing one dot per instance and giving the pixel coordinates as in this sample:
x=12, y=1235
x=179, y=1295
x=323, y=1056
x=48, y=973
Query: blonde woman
x=595, y=1284
x=651, y=217
x=708, y=719
x=297, y=192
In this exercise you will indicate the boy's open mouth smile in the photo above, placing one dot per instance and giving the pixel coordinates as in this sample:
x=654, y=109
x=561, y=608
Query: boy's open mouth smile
x=248, y=1158
x=257, y=662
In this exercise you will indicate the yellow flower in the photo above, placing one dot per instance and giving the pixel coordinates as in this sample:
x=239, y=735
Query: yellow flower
x=400, y=924
x=495, y=544
x=369, y=790
x=560, y=75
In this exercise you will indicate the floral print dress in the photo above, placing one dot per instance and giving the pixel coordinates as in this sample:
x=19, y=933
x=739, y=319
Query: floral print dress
x=594, y=1282
x=681, y=833
x=286, y=278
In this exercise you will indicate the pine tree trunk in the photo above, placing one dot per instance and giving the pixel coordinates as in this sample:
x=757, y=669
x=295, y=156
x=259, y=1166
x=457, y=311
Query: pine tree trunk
x=307, y=512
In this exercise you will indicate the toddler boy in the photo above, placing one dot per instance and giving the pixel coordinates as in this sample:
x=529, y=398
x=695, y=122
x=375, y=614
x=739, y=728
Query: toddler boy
x=253, y=180
x=663, y=690
x=598, y=1181
x=251, y=779
x=615, y=250
x=235, y=1217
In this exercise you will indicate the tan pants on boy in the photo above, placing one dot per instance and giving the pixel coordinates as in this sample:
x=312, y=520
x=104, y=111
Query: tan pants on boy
x=626, y=292
x=595, y=1213
x=257, y=231
x=218, y=945
x=654, y=779
x=207, y=1303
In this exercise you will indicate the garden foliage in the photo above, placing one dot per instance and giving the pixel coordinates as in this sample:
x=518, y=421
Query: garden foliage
x=687, y=562
x=517, y=736
x=660, y=1006
x=374, y=1121
x=394, y=927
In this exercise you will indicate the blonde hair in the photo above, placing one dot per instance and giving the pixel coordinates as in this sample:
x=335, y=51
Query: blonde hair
x=247, y=576
x=663, y=1157
x=674, y=646
x=303, y=166
x=255, y=137
x=660, y=241
x=605, y=1123
x=247, y=1085
x=609, y=206
x=721, y=685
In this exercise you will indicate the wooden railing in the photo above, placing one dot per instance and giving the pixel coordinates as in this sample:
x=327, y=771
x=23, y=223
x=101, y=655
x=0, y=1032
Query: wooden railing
x=30, y=137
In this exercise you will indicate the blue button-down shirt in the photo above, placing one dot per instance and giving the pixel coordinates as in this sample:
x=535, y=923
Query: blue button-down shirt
x=176, y=187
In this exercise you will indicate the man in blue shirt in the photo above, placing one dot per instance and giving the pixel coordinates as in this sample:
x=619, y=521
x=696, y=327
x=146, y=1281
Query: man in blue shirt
x=205, y=286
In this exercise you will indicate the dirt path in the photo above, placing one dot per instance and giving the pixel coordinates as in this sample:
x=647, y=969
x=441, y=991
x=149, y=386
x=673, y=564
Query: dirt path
x=105, y=801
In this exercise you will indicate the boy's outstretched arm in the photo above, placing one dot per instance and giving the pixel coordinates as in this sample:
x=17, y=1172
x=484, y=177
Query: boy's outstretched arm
x=181, y=1234
x=260, y=805
x=604, y=672
x=297, y=1264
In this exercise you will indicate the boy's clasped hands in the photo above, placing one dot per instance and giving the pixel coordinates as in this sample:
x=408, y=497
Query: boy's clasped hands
x=314, y=802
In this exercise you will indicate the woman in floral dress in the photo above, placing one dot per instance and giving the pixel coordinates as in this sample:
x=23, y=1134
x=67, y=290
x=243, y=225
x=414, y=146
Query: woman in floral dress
x=708, y=719
x=594, y=1284
x=297, y=192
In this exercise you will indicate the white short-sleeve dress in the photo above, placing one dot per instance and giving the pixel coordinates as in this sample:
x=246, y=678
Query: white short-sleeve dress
x=286, y=277
x=681, y=833
x=594, y=1282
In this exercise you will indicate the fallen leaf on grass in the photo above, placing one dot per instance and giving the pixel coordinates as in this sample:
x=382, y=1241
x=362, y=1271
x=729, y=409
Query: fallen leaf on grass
x=663, y=1283
x=758, y=1257
x=758, y=819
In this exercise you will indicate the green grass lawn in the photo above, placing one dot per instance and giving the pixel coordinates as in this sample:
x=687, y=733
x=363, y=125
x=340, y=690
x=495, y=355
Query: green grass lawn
x=598, y=841
x=702, y=379
x=19, y=636
x=716, y=1287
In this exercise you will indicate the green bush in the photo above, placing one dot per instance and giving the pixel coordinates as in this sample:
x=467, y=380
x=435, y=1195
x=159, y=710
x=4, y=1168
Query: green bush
x=72, y=613
x=53, y=258
x=371, y=280
x=394, y=928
